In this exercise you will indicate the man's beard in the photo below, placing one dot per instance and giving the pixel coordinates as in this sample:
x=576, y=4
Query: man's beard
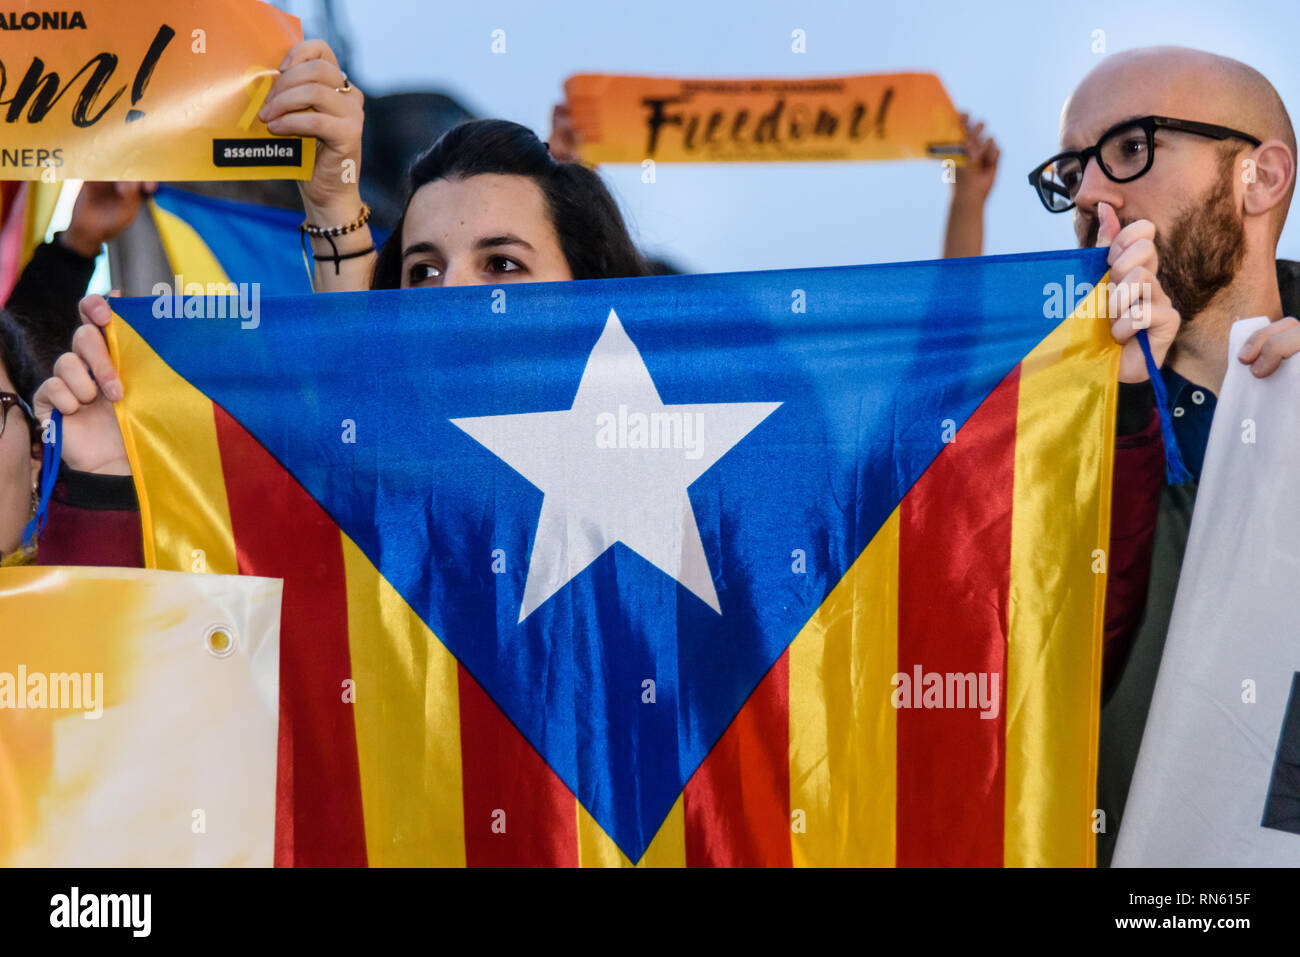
x=1202, y=251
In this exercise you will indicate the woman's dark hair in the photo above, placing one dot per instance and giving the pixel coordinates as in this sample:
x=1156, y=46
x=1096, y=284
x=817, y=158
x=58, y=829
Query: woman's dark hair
x=593, y=236
x=18, y=363
x=16, y=357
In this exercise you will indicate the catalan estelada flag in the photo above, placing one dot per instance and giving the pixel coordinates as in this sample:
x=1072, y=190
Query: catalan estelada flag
x=212, y=240
x=772, y=568
x=207, y=239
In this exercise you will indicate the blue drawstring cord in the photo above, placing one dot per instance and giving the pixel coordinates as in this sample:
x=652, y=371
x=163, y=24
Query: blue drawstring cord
x=50, y=459
x=1175, y=471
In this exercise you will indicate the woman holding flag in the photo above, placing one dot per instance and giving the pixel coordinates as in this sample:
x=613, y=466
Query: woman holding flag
x=86, y=513
x=20, y=440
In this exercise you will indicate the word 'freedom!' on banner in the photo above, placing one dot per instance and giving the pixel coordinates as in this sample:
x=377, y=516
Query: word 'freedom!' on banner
x=629, y=119
x=169, y=92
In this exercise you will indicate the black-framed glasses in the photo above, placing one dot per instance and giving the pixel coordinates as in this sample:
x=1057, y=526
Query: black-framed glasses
x=1124, y=152
x=7, y=401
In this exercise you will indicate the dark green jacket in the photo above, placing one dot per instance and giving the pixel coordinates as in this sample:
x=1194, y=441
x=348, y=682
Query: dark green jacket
x=1124, y=707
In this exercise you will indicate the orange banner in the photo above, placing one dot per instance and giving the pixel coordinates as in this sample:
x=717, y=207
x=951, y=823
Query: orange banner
x=153, y=90
x=629, y=119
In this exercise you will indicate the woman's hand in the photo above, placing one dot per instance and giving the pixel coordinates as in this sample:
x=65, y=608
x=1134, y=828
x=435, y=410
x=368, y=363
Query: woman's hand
x=975, y=179
x=964, y=235
x=312, y=97
x=1266, y=349
x=305, y=100
x=563, y=142
x=84, y=387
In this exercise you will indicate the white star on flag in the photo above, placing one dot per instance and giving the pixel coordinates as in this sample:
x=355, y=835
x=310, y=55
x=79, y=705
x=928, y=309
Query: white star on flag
x=615, y=467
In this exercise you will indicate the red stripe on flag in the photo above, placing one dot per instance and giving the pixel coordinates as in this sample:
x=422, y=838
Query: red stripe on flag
x=737, y=804
x=954, y=570
x=518, y=813
x=281, y=531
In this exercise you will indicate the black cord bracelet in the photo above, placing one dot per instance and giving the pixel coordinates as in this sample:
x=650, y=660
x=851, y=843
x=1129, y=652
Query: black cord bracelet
x=335, y=257
x=339, y=257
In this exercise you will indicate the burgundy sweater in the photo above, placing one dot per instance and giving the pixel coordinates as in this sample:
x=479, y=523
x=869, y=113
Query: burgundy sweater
x=93, y=520
x=1135, y=500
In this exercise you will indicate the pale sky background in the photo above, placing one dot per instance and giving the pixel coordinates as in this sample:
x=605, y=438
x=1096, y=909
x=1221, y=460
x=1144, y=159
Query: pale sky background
x=1010, y=63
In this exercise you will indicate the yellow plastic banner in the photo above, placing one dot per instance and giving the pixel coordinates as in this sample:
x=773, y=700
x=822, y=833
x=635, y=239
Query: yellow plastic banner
x=150, y=90
x=139, y=714
x=629, y=119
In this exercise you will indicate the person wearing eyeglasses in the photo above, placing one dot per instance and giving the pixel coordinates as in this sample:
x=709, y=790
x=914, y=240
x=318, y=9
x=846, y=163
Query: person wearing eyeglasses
x=93, y=516
x=1184, y=163
x=20, y=438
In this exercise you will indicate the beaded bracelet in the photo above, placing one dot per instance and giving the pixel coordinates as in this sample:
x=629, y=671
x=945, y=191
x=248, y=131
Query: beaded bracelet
x=328, y=233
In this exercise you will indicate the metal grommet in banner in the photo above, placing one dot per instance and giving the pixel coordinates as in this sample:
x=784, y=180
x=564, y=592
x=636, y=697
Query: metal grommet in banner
x=220, y=641
x=1198, y=397
x=1178, y=411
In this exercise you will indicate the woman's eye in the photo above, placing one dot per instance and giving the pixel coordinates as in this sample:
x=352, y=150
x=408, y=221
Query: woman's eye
x=502, y=264
x=423, y=272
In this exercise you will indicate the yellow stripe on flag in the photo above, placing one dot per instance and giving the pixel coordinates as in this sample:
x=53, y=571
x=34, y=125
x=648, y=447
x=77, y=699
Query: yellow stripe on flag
x=171, y=441
x=668, y=849
x=843, y=730
x=595, y=849
x=407, y=715
x=186, y=251
x=1065, y=442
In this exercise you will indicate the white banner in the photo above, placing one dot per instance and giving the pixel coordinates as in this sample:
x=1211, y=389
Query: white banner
x=1216, y=783
x=139, y=714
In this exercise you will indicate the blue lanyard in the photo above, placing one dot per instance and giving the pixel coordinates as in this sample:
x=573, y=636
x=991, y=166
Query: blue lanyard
x=50, y=459
x=1175, y=471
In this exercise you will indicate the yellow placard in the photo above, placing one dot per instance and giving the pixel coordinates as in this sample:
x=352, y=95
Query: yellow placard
x=139, y=717
x=150, y=90
x=629, y=119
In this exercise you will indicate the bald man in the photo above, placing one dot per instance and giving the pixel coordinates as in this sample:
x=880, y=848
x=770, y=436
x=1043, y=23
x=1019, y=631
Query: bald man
x=1184, y=163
